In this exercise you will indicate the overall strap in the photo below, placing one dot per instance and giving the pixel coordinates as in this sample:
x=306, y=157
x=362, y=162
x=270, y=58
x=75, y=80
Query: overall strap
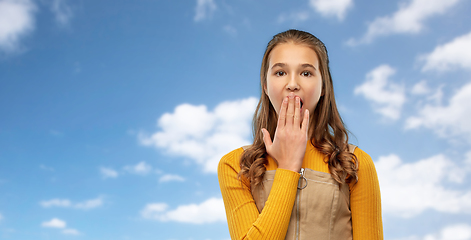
x=351, y=148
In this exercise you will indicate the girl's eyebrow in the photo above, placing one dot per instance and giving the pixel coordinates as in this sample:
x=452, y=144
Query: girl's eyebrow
x=278, y=65
x=308, y=65
x=305, y=65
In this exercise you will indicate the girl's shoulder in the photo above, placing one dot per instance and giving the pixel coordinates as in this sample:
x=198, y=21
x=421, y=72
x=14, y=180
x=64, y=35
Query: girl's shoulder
x=362, y=156
x=232, y=159
x=364, y=160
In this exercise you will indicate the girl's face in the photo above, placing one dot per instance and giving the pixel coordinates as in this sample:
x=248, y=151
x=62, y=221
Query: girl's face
x=294, y=68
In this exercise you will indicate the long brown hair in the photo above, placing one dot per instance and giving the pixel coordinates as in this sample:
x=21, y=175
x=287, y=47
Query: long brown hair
x=327, y=131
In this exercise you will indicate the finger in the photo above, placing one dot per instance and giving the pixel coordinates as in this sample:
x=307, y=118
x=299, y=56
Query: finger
x=305, y=123
x=297, y=112
x=266, y=138
x=290, y=111
x=282, y=116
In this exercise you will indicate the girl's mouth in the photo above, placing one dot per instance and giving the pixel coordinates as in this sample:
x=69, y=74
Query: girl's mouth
x=301, y=101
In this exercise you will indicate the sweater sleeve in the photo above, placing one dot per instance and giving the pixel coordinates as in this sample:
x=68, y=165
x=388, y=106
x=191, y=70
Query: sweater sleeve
x=365, y=200
x=243, y=218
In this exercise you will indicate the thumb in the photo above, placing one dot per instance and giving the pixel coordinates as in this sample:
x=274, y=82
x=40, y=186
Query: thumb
x=266, y=138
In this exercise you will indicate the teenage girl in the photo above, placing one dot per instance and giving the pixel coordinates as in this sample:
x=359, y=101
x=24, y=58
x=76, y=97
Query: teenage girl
x=300, y=179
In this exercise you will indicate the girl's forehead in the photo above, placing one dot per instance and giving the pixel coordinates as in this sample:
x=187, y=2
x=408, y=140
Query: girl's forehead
x=292, y=53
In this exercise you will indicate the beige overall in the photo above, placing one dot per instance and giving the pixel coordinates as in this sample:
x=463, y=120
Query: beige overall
x=321, y=210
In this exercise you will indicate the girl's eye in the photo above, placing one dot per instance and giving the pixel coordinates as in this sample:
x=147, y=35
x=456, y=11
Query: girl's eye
x=280, y=73
x=306, y=74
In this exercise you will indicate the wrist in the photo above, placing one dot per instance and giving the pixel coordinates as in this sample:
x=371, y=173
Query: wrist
x=290, y=167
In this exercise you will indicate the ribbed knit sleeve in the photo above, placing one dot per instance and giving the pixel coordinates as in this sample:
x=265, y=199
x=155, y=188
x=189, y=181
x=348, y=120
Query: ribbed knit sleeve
x=365, y=201
x=243, y=218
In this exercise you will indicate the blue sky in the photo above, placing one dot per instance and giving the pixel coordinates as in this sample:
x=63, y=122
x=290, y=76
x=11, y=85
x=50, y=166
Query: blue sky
x=114, y=114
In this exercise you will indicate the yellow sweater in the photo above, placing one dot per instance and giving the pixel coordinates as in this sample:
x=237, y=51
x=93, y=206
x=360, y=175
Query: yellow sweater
x=245, y=222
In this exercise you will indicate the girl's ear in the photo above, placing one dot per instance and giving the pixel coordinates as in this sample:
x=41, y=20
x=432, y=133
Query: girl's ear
x=265, y=88
x=323, y=89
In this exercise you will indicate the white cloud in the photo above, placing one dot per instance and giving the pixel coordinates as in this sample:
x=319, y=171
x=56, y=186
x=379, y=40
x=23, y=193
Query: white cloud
x=89, y=204
x=58, y=223
x=201, y=135
x=409, y=19
x=420, y=88
x=56, y=133
x=454, y=232
x=44, y=167
x=56, y=203
x=204, y=9
x=446, y=120
x=142, y=168
x=171, y=177
x=108, y=172
x=54, y=223
x=331, y=8
x=230, y=30
x=85, y=205
x=211, y=210
x=16, y=21
x=451, y=55
x=385, y=96
x=70, y=231
x=62, y=11
x=296, y=17
x=451, y=232
x=422, y=184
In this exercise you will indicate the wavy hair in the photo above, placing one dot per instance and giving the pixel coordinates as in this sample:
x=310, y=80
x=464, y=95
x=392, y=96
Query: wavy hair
x=326, y=128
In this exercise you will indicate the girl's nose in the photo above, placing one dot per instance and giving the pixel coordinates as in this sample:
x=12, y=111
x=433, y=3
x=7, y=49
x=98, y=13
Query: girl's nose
x=292, y=84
